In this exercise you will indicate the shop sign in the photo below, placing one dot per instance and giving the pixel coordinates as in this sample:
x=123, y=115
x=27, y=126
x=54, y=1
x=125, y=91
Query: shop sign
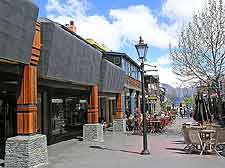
x=83, y=101
x=57, y=100
x=152, y=98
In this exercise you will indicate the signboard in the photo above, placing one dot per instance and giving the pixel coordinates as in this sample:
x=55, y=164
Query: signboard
x=57, y=100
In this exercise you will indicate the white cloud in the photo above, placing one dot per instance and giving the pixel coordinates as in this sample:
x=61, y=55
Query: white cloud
x=179, y=13
x=164, y=71
x=120, y=27
x=182, y=9
x=164, y=60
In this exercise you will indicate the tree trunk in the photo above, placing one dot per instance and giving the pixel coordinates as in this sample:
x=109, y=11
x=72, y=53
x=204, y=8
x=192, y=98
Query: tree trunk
x=219, y=101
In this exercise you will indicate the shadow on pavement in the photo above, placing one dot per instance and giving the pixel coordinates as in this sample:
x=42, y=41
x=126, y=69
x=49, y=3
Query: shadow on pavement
x=102, y=148
x=178, y=142
x=176, y=149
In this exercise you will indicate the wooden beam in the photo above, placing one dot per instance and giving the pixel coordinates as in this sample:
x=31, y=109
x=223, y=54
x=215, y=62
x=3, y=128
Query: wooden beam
x=27, y=98
x=93, y=106
x=119, y=112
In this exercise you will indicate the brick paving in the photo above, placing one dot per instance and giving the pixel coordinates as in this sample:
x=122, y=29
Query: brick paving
x=121, y=150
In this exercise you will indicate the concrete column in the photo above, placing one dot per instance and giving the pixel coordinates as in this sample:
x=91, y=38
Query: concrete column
x=29, y=149
x=93, y=131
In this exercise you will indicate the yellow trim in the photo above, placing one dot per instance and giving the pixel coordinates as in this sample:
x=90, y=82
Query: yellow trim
x=101, y=47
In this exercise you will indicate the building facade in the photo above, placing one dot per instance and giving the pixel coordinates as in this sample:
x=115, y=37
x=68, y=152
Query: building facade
x=132, y=87
x=51, y=83
x=152, y=89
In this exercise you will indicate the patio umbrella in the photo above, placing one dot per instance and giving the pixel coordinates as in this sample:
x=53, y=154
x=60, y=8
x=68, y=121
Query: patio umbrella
x=202, y=112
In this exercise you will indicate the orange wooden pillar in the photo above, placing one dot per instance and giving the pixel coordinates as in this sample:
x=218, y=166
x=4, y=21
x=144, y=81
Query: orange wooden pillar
x=27, y=98
x=93, y=106
x=119, y=113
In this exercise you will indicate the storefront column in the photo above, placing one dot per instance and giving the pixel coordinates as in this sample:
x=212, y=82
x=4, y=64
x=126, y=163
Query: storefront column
x=119, y=112
x=93, y=106
x=21, y=151
x=138, y=101
x=93, y=131
x=107, y=118
x=132, y=102
x=27, y=102
x=119, y=124
x=124, y=105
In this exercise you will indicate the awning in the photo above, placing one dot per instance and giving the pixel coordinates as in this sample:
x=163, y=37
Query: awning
x=67, y=57
x=112, y=78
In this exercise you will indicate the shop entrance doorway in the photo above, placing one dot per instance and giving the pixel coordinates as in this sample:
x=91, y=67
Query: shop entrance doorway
x=8, y=92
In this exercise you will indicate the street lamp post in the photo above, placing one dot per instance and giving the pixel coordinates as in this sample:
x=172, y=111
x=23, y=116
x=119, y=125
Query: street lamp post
x=142, y=49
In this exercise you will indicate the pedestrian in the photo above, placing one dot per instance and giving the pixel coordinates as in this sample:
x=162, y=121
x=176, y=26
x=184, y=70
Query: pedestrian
x=181, y=112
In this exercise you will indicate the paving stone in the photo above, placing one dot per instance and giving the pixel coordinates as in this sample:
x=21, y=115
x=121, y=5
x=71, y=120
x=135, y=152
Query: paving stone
x=123, y=151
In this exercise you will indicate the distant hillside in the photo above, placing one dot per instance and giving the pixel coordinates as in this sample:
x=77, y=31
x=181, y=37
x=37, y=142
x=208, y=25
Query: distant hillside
x=177, y=93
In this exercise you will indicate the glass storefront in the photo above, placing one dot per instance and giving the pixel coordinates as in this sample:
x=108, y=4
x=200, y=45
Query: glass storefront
x=68, y=114
x=107, y=109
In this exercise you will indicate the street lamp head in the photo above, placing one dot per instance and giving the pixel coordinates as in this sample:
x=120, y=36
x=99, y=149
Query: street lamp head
x=141, y=48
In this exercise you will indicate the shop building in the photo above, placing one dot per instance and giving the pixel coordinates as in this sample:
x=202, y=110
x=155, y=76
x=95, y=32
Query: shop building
x=153, y=93
x=132, y=86
x=69, y=69
x=51, y=83
x=20, y=53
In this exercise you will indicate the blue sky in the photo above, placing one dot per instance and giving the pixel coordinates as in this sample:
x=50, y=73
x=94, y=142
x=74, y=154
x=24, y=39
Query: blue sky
x=119, y=24
x=102, y=7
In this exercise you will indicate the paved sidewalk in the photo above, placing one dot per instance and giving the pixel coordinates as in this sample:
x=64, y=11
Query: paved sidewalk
x=120, y=150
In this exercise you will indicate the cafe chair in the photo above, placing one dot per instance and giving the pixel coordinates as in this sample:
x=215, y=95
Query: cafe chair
x=220, y=141
x=187, y=141
x=196, y=141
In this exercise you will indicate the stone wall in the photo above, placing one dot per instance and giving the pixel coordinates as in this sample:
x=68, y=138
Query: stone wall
x=93, y=132
x=26, y=151
x=119, y=125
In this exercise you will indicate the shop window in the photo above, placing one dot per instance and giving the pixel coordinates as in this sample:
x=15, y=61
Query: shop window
x=68, y=114
x=117, y=61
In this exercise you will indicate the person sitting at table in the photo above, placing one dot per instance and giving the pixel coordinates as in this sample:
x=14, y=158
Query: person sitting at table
x=130, y=122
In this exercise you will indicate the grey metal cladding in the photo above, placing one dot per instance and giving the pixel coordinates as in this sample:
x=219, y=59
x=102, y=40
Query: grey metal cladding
x=17, y=28
x=112, y=78
x=66, y=57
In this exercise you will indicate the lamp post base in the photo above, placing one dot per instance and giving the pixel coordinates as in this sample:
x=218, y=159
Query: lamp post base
x=145, y=152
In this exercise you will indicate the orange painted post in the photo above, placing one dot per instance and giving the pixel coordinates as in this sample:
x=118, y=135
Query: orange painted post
x=27, y=98
x=119, y=113
x=93, y=106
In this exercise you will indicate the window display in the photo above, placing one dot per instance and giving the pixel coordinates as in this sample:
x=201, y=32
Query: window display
x=67, y=114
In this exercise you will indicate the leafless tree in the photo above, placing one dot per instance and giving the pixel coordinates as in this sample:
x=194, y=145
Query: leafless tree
x=200, y=54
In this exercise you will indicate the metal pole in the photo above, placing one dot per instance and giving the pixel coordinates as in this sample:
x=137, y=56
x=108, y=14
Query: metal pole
x=145, y=143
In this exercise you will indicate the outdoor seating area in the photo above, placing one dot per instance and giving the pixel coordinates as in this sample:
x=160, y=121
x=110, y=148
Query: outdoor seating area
x=205, y=139
x=157, y=124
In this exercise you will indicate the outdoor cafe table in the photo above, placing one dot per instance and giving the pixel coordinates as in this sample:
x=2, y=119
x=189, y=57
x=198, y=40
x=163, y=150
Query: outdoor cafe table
x=156, y=126
x=206, y=136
